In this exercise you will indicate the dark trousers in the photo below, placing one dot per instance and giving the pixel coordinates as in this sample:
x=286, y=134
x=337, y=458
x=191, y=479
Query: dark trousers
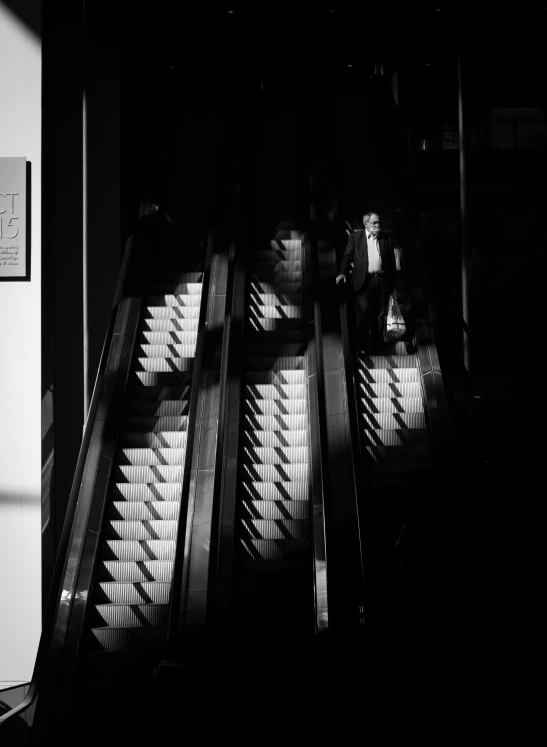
x=370, y=312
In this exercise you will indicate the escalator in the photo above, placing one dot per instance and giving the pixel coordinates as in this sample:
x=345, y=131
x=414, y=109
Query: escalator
x=109, y=616
x=274, y=563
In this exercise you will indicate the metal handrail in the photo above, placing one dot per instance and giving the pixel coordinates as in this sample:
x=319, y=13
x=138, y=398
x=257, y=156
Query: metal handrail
x=53, y=601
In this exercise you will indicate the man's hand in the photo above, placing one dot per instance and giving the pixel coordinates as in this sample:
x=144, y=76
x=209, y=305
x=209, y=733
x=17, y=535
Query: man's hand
x=340, y=278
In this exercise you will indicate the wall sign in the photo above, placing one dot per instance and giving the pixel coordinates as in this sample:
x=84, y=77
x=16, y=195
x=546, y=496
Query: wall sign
x=13, y=219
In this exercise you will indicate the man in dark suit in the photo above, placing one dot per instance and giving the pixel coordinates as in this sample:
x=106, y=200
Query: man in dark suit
x=374, y=273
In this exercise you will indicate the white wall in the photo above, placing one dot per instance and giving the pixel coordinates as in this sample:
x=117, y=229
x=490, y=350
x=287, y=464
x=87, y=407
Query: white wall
x=20, y=387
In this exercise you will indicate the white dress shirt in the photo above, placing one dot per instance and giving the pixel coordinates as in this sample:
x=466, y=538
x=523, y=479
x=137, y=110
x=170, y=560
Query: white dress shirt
x=374, y=258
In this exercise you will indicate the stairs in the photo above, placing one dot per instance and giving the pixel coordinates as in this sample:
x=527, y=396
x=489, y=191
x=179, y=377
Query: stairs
x=137, y=551
x=273, y=579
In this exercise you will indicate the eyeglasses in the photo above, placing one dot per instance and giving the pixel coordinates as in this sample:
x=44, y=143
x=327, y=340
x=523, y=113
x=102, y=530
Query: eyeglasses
x=374, y=223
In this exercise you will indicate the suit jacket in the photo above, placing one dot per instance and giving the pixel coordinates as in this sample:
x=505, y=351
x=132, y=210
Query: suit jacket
x=357, y=252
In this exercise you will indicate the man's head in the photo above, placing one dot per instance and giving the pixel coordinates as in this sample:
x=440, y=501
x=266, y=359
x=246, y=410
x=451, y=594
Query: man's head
x=371, y=221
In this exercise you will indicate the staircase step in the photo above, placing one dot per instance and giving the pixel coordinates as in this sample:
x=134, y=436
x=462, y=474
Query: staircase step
x=280, y=311
x=147, y=492
x=154, y=474
x=277, y=529
x=144, y=510
x=270, y=275
x=131, y=615
x=289, y=305
x=286, y=330
x=392, y=404
x=299, y=472
x=389, y=361
x=277, y=455
x=132, y=571
x=268, y=348
x=134, y=550
x=387, y=421
x=274, y=491
x=275, y=406
x=150, y=592
x=157, y=425
x=125, y=639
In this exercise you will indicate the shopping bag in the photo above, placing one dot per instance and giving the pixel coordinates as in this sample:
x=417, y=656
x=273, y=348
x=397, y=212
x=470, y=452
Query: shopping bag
x=395, y=324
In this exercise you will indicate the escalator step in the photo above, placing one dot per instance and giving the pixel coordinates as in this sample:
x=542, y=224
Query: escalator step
x=275, y=406
x=163, y=440
x=399, y=468
x=396, y=437
x=275, y=391
x=154, y=474
x=277, y=264
x=120, y=639
x=165, y=408
x=412, y=389
x=262, y=363
x=272, y=439
x=261, y=550
x=277, y=303
x=147, y=492
x=164, y=337
x=285, y=330
x=275, y=422
x=386, y=421
x=270, y=275
x=150, y=457
x=131, y=615
x=157, y=425
x=147, y=529
x=281, y=568
x=275, y=529
x=167, y=351
x=281, y=490
x=158, y=326
x=172, y=301
x=130, y=572
x=268, y=347
x=144, y=510
x=164, y=365
x=177, y=287
x=135, y=550
x=275, y=253
x=389, y=361
x=388, y=375
x=279, y=377
x=275, y=455
x=119, y=593
x=159, y=379
x=392, y=404
x=158, y=393
x=272, y=510
x=391, y=454
x=172, y=312
x=275, y=472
